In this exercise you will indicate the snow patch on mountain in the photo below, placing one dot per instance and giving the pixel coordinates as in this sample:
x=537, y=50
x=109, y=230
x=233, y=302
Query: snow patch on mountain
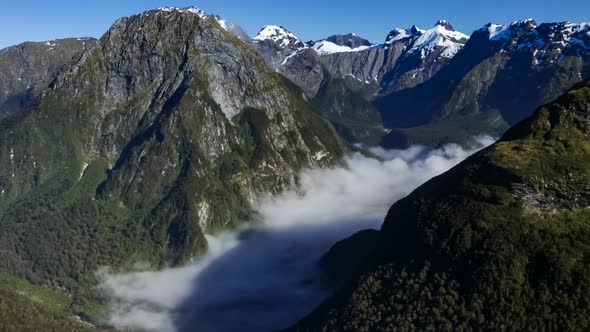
x=505, y=32
x=397, y=34
x=325, y=47
x=574, y=28
x=497, y=31
x=292, y=55
x=553, y=38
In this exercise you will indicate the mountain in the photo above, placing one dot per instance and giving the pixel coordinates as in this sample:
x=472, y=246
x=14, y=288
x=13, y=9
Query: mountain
x=291, y=57
x=168, y=127
x=498, y=242
x=343, y=74
x=425, y=53
x=28, y=68
x=497, y=79
x=281, y=44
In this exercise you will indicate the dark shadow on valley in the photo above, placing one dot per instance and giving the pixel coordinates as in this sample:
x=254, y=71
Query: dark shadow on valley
x=269, y=281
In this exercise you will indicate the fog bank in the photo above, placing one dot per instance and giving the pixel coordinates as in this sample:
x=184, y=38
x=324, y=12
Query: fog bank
x=265, y=277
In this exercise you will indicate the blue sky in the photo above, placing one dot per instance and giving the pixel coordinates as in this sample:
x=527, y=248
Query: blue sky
x=26, y=20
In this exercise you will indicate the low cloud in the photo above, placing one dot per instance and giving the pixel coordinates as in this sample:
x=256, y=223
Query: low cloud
x=265, y=277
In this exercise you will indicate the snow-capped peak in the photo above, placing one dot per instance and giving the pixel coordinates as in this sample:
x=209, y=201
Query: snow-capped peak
x=278, y=34
x=440, y=36
x=398, y=34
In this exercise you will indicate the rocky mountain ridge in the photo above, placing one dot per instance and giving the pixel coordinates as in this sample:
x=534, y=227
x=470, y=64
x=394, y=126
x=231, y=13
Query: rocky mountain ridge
x=28, y=68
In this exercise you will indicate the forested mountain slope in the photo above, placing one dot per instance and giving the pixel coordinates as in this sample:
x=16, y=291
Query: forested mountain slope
x=168, y=128
x=498, y=242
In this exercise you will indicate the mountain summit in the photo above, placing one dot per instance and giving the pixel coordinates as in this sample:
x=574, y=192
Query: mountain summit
x=445, y=24
x=351, y=40
x=279, y=35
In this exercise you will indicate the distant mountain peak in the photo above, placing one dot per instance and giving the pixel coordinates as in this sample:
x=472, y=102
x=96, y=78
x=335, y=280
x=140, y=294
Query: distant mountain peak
x=351, y=40
x=397, y=34
x=445, y=24
x=280, y=35
x=442, y=35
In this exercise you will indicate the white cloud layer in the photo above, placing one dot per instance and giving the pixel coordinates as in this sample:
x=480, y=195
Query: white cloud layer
x=266, y=277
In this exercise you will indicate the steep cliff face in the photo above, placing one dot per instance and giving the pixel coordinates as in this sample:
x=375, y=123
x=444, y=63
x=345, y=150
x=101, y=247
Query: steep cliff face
x=168, y=128
x=28, y=68
x=366, y=66
x=500, y=241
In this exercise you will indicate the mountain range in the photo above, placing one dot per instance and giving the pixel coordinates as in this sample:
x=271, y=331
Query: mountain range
x=175, y=123
x=433, y=86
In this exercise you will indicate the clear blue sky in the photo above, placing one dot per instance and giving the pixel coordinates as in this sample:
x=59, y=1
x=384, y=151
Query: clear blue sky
x=26, y=20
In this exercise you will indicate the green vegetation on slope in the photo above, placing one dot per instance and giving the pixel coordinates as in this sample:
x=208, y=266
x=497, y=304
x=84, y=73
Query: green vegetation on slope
x=347, y=104
x=25, y=307
x=500, y=242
